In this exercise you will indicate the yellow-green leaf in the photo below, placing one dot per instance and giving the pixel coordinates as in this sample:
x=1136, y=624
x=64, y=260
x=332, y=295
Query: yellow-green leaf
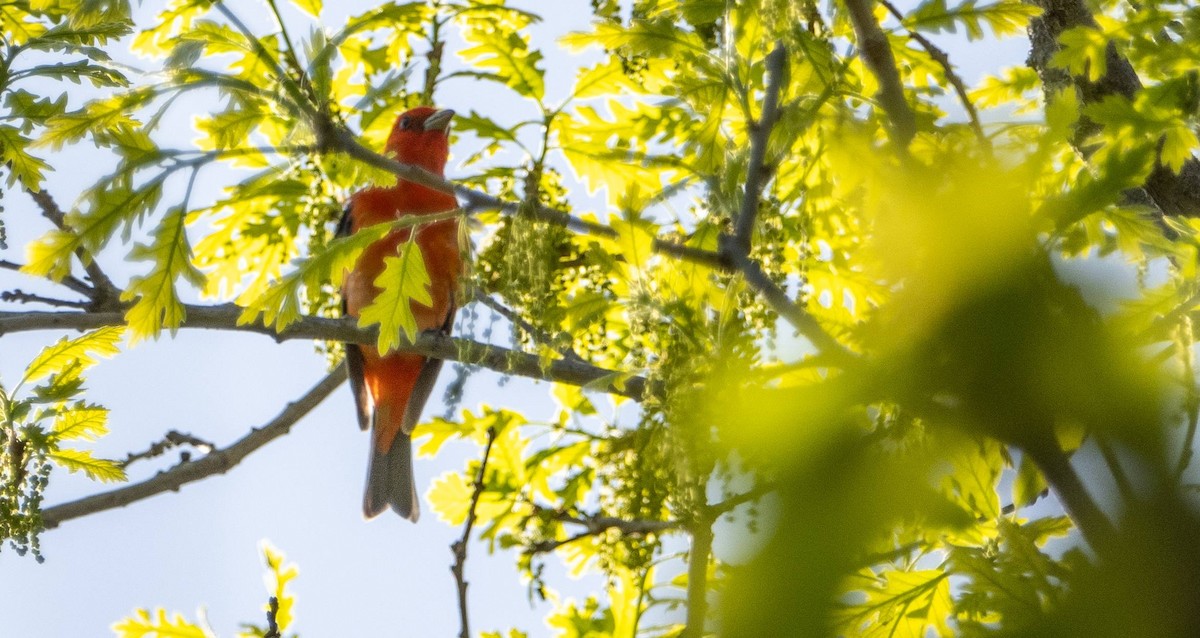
x=156, y=302
x=23, y=167
x=81, y=350
x=450, y=497
x=1028, y=484
x=506, y=54
x=82, y=422
x=143, y=625
x=1178, y=142
x=404, y=281
x=311, y=7
x=279, y=305
x=82, y=460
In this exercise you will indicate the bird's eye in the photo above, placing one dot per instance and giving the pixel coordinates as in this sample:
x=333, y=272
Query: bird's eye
x=405, y=123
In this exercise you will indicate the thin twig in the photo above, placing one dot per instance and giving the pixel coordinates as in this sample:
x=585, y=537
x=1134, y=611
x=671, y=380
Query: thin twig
x=17, y=295
x=878, y=56
x=803, y=322
x=943, y=60
x=272, y=621
x=776, y=71
x=735, y=250
x=431, y=344
x=1114, y=466
x=170, y=440
x=517, y=320
x=459, y=547
x=733, y=502
x=68, y=281
x=216, y=462
x=595, y=525
x=1012, y=508
x=298, y=94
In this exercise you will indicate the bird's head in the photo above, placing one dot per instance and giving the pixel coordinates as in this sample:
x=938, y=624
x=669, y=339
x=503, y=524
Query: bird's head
x=421, y=136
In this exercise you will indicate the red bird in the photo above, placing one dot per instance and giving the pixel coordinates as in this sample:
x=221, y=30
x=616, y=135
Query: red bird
x=391, y=390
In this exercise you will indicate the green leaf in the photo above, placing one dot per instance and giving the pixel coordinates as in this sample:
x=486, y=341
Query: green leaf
x=505, y=52
x=975, y=476
x=98, y=115
x=572, y=399
x=613, y=153
x=1083, y=52
x=97, y=75
x=17, y=28
x=61, y=387
x=82, y=460
x=1005, y=18
x=279, y=305
x=81, y=351
x=403, y=282
x=905, y=603
x=87, y=422
x=113, y=204
x=450, y=497
x=1028, y=484
x=74, y=36
x=156, y=302
x=1178, y=143
x=470, y=426
x=228, y=129
x=24, y=167
x=34, y=108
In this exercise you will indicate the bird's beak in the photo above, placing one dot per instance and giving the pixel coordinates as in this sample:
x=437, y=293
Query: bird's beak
x=439, y=121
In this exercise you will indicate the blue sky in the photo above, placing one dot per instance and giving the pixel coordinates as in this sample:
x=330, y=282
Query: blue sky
x=201, y=546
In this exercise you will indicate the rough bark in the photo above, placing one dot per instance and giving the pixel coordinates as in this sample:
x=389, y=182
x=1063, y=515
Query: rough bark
x=1170, y=193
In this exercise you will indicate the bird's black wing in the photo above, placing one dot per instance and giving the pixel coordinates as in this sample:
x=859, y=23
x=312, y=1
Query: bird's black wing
x=354, y=355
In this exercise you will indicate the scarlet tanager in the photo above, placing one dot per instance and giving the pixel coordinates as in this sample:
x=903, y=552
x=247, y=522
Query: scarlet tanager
x=391, y=390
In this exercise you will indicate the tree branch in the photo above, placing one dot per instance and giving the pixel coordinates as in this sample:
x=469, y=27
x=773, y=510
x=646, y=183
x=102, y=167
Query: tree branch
x=17, y=295
x=430, y=344
x=216, y=462
x=877, y=54
x=716, y=510
x=735, y=249
x=776, y=71
x=939, y=56
x=782, y=304
x=533, y=331
x=459, y=547
x=1095, y=526
x=697, y=572
x=1173, y=194
x=68, y=281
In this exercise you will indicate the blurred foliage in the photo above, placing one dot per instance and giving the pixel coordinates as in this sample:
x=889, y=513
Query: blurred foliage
x=907, y=480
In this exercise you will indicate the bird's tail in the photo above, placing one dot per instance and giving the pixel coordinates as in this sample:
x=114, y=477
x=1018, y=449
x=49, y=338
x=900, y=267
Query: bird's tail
x=390, y=480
